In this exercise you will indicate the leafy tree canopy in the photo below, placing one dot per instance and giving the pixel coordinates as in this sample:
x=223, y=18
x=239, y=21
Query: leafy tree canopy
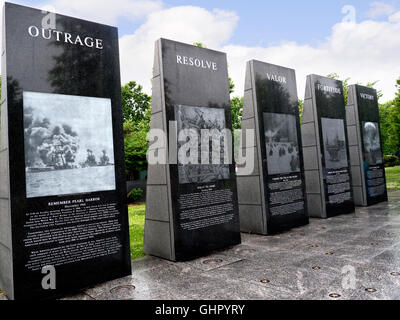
x=390, y=119
x=136, y=113
x=346, y=85
x=135, y=103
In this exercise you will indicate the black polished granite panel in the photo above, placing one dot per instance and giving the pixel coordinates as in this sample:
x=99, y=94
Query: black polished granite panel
x=335, y=157
x=67, y=195
x=280, y=146
x=196, y=88
x=371, y=144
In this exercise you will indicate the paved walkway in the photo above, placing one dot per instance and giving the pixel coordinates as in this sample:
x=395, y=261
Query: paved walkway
x=345, y=256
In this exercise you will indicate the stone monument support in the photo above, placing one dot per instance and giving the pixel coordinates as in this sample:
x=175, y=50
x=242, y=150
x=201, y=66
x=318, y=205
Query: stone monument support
x=63, y=217
x=365, y=143
x=191, y=208
x=272, y=197
x=325, y=149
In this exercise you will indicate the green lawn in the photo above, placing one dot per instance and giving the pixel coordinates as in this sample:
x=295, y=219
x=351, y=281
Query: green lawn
x=136, y=229
x=393, y=178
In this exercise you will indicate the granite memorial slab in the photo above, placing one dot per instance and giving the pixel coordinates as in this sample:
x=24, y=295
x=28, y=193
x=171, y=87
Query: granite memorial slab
x=192, y=208
x=326, y=149
x=365, y=143
x=63, y=216
x=271, y=109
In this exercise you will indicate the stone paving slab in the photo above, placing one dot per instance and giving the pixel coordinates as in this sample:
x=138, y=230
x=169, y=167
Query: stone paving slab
x=311, y=262
x=307, y=263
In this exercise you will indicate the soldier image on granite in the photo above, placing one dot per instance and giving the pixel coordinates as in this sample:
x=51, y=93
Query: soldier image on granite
x=366, y=155
x=272, y=197
x=194, y=118
x=282, y=145
x=326, y=149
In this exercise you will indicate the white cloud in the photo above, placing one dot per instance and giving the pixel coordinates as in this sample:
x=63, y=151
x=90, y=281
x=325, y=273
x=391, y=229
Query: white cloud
x=105, y=11
x=378, y=9
x=364, y=52
x=395, y=17
x=185, y=24
x=102, y=11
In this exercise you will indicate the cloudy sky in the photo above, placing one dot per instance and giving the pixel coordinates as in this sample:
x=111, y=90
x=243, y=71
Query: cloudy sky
x=357, y=39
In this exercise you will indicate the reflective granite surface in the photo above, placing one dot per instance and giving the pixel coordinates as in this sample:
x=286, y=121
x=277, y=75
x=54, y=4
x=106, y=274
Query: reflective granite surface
x=56, y=69
x=196, y=93
x=310, y=262
x=280, y=146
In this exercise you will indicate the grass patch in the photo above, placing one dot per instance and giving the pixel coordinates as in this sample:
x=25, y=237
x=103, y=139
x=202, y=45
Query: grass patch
x=393, y=178
x=136, y=229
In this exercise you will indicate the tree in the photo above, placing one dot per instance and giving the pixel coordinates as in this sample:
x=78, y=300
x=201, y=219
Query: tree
x=393, y=139
x=199, y=44
x=346, y=86
x=231, y=86
x=236, y=107
x=136, y=145
x=237, y=112
x=301, y=109
x=385, y=111
x=135, y=103
x=136, y=113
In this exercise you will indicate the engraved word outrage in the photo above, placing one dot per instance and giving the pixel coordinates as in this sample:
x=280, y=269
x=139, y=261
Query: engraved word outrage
x=59, y=36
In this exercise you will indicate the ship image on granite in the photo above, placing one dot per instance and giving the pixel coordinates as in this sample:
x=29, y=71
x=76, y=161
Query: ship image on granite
x=68, y=144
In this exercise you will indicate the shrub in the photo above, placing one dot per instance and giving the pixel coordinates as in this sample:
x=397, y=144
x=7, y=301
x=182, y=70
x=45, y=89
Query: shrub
x=391, y=161
x=135, y=195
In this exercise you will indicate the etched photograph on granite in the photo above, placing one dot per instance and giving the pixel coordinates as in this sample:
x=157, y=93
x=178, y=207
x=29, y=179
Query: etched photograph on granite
x=281, y=143
x=334, y=143
x=372, y=143
x=68, y=144
x=198, y=119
